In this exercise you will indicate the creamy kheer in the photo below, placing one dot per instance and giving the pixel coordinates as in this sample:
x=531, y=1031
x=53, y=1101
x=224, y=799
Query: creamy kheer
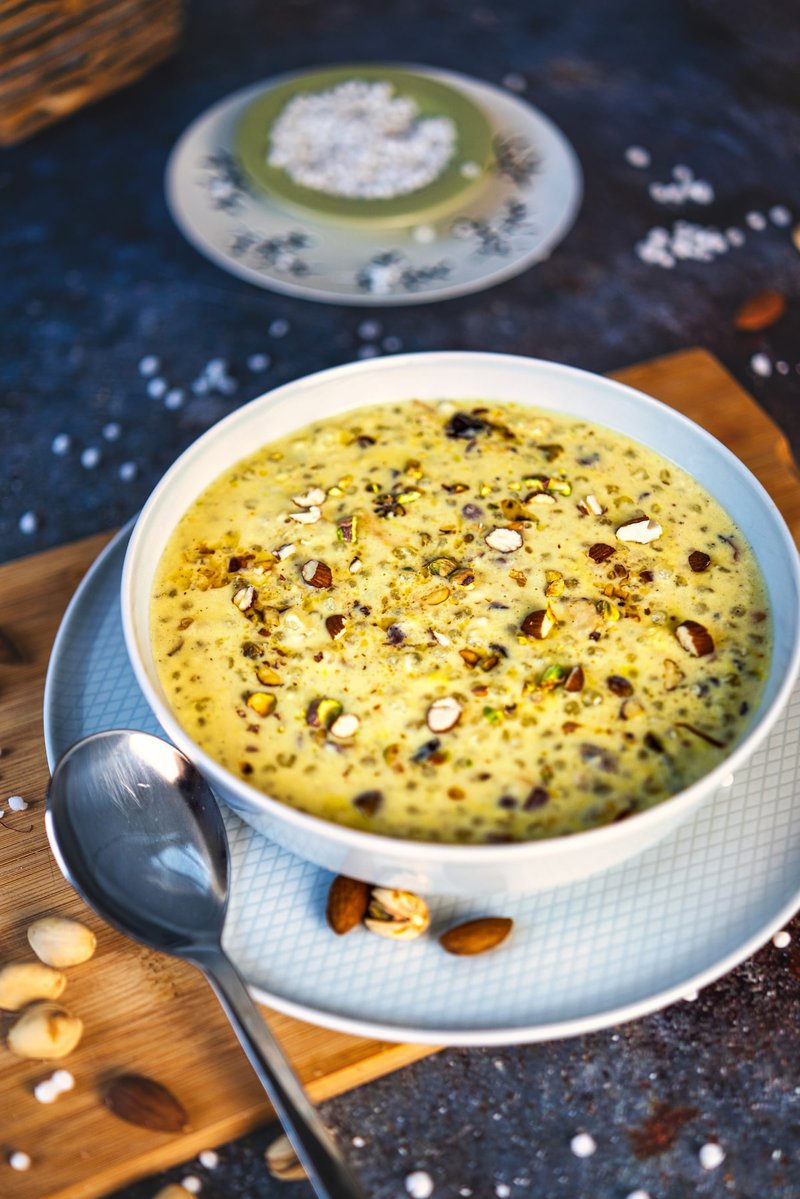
x=461, y=622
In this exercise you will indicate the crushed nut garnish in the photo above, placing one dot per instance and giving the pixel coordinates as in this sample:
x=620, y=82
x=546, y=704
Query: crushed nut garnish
x=244, y=597
x=505, y=541
x=317, y=574
x=540, y=623
x=309, y=516
x=640, y=529
x=694, y=638
x=444, y=714
x=399, y=915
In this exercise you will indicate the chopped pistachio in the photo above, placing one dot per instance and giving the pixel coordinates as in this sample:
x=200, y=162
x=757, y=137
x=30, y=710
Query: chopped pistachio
x=551, y=452
x=553, y=676
x=559, y=486
x=347, y=529
x=442, y=566
x=321, y=712
x=262, y=702
x=493, y=715
x=608, y=610
x=463, y=577
x=268, y=676
x=555, y=583
x=437, y=596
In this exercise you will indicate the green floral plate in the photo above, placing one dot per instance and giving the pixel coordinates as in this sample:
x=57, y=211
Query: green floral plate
x=433, y=99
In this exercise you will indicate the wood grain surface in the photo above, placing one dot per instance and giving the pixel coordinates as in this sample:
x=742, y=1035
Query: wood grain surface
x=146, y=1013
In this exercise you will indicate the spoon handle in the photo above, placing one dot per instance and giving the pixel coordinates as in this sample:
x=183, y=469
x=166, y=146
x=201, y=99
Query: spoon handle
x=313, y=1144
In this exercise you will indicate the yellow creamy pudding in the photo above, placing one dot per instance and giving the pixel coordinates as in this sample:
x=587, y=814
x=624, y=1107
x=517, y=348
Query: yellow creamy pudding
x=461, y=622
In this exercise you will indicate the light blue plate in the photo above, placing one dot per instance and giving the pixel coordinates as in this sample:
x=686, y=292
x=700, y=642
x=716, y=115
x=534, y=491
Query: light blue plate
x=581, y=957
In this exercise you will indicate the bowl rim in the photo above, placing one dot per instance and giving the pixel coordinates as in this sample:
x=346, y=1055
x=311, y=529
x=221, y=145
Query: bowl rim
x=441, y=853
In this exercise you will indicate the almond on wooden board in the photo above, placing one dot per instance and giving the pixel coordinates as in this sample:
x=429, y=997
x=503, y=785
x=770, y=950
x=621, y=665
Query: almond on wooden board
x=476, y=936
x=145, y=1102
x=759, y=311
x=348, y=899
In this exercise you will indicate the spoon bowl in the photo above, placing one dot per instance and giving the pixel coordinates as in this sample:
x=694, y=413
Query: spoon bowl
x=137, y=832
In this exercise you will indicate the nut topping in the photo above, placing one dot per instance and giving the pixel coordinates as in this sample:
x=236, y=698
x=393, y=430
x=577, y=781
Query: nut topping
x=284, y=551
x=442, y=566
x=641, y=529
x=335, y=626
x=600, y=552
x=590, y=506
x=243, y=598
x=344, y=727
x=619, y=685
x=368, y=802
x=321, y=712
x=60, y=942
x=348, y=899
x=673, y=675
x=262, y=702
x=554, y=583
x=308, y=517
x=695, y=638
x=463, y=577
x=312, y=498
x=347, y=529
x=574, y=680
x=268, y=676
x=437, y=596
x=699, y=561
x=399, y=915
x=538, y=624
x=759, y=311
x=146, y=1103
x=444, y=714
x=317, y=574
x=476, y=936
x=505, y=541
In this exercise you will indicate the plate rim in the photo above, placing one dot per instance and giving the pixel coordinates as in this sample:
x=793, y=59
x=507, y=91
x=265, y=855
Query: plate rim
x=560, y=229
x=434, y=1036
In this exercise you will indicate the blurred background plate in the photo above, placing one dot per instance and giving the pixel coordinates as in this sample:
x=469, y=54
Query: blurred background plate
x=432, y=98
x=581, y=957
x=521, y=209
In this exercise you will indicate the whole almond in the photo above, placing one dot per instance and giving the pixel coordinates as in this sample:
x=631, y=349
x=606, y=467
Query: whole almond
x=759, y=311
x=476, y=936
x=347, y=903
x=145, y=1102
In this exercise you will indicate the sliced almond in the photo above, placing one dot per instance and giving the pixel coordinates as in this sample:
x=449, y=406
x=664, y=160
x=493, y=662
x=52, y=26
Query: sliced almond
x=317, y=574
x=542, y=498
x=538, y=624
x=441, y=638
x=476, y=936
x=698, y=561
x=505, y=541
x=600, y=552
x=312, y=498
x=759, y=311
x=335, y=626
x=355, y=566
x=347, y=903
x=309, y=516
x=244, y=597
x=640, y=529
x=444, y=714
x=574, y=680
x=673, y=676
x=590, y=506
x=695, y=638
x=284, y=551
x=345, y=726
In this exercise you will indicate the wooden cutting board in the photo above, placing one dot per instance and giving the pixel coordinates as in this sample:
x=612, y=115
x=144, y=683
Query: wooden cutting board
x=146, y=1013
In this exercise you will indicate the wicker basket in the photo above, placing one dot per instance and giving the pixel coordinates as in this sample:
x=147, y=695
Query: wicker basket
x=57, y=55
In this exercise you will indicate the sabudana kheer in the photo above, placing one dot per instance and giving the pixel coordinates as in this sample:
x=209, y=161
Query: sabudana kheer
x=463, y=622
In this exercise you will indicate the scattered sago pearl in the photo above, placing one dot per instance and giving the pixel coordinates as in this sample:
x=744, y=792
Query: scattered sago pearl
x=369, y=330
x=638, y=1195
x=779, y=215
x=63, y=1080
x=782, y=939
x=192, y=1184
x=419, y=1184
x=200, y=386
x=756, y=220
x=258, y=362
x=735, y=237
x=149, y=365
x=45, y=1092
x=368, y=351
x=690, y=996
x=128, y=471
x=782, y=368
x=515, y=82
x=208, y=1158
x=583, y=1144
x=728, y=781
x=157, y=388
x=28, y=523
x=470, y=170
x=358, y=1142
x=761, y=365
x=19, y=1160
x=279, y=327
x=174, y=398
x=637, y=156
x=392, y=344
x=424, y=234
x=711, y=1155
x=112, y=431
x=16, y=803
x=90, y=457
x=61, y=444
x=502, y=1190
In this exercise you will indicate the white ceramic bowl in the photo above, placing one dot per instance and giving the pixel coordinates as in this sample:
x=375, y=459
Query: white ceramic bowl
x=431, y=867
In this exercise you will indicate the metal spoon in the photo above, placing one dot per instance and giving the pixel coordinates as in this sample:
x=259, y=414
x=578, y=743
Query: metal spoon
x=137, y=832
